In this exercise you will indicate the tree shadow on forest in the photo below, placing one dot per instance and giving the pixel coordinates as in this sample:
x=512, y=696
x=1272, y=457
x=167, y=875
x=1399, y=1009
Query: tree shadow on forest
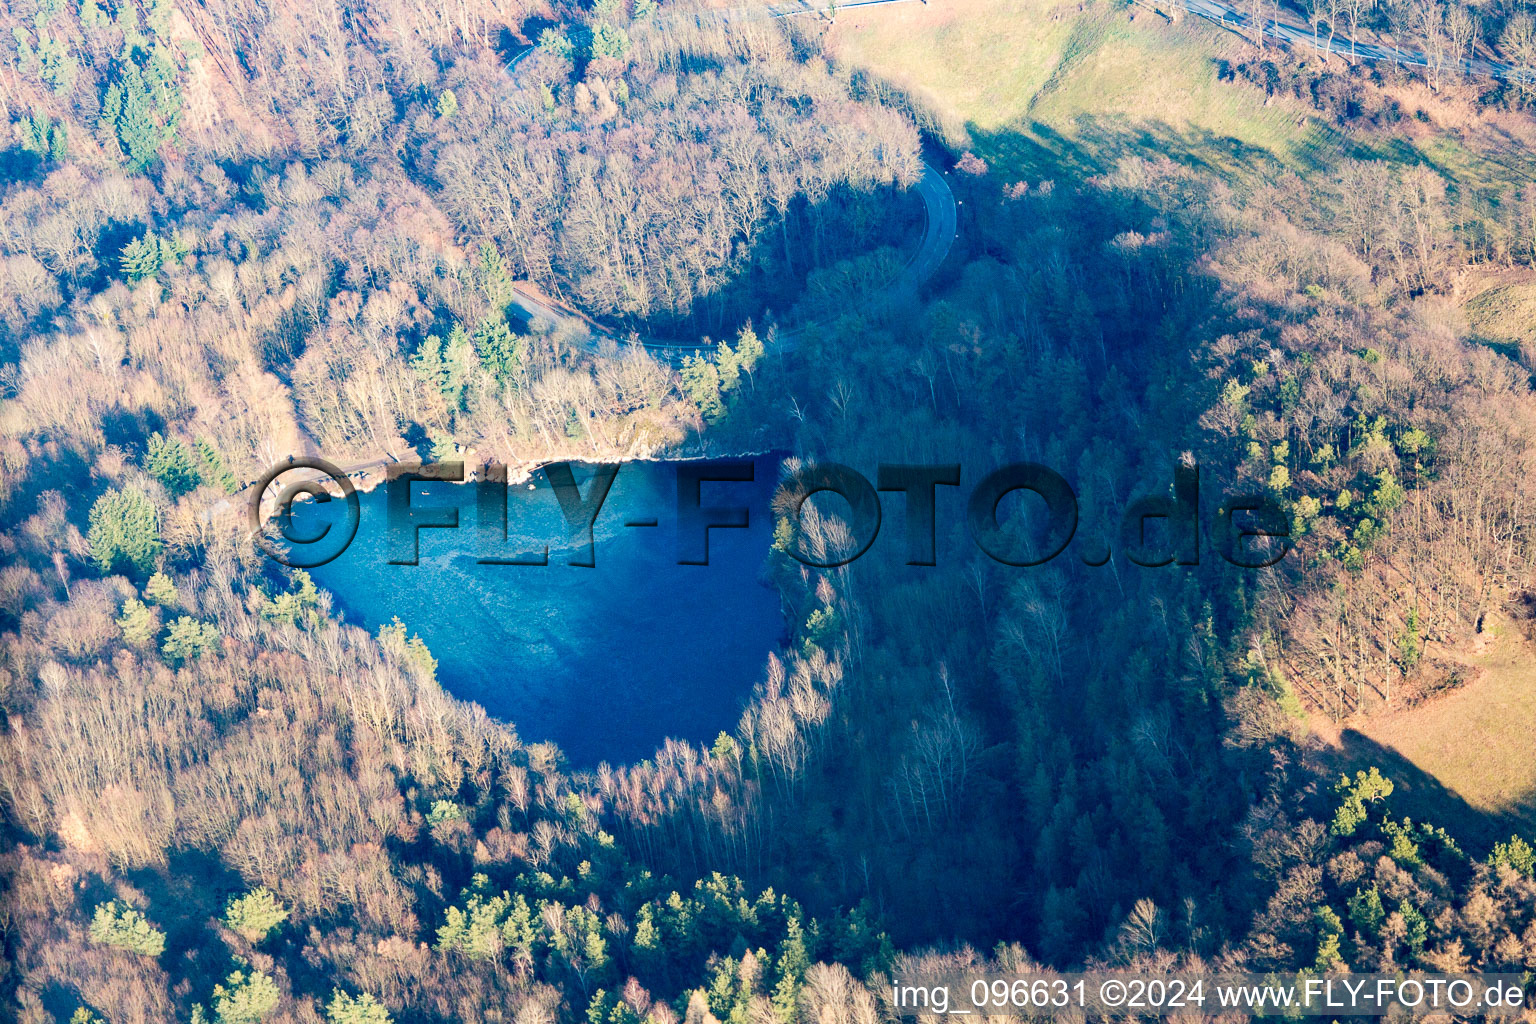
x=184, y=897
x=1098, y=144
x=18, y=165
x=188, y=893
x=776, y=270
x=1419, y=795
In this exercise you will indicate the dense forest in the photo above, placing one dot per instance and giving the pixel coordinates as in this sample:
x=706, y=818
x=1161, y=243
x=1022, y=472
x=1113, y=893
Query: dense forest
x=231, y=233
x=719, y=183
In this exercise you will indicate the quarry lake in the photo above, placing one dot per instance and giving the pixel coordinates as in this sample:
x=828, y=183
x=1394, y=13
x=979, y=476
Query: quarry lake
x=606, y=661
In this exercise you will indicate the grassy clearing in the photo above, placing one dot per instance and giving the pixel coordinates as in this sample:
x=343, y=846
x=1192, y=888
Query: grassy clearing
x=1463, y=760
x=970, y=62
x=1504, y=316
x=1041, y=87
x=1048, y=88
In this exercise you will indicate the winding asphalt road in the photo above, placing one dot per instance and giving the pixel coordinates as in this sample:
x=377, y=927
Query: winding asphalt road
x=941, y=222
x=938, y=201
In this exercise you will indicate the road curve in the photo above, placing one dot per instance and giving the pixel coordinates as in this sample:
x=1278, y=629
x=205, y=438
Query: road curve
x=940, y=217
x=941, y=224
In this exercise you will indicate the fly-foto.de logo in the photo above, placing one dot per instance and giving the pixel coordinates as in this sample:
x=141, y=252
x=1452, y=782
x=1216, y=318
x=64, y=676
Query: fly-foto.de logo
x=1158, y=529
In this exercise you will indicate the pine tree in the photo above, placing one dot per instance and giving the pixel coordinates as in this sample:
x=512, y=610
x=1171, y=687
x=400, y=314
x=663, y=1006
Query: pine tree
x=297, y=604
x=188, y=639
x=428, y=364
x=254, y=915
x=142, y=105
x=139, y=623
x=609, y=41
x=794, y=959
x=701, y=383
x=48, y=56
x=645, y=946
x=1366, y=911
x=161, y=589
x=1330, y=929
x=44, y=138
x=498, y=349
x=475, y=930
x=245, y=998
x=93, y=16
x=141, y=259
x=1415, y=924
x=727, y=367
x=557, y=43
x=1517, y=854
x=1355, y=795
x=211, y=466
x=413, y=651
x=518, y=931
x=458, y=365
x=117, y=924
x=364, y=1009
x=1409, y=643
x=170, y=461
x=749, y=349
x=124, y=531
x=494, y=277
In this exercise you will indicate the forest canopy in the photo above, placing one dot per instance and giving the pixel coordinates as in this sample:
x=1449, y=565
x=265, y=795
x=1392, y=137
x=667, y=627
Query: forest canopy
x=664, y=170
x=231, y=233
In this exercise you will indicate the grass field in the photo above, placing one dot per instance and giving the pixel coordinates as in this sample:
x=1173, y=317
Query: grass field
x=1504, y=316
x=1041, y=87
x=1047, y=88
x=1465, y=760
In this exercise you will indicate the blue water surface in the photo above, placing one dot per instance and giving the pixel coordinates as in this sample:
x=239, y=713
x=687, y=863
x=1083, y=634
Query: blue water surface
x=606, y=661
